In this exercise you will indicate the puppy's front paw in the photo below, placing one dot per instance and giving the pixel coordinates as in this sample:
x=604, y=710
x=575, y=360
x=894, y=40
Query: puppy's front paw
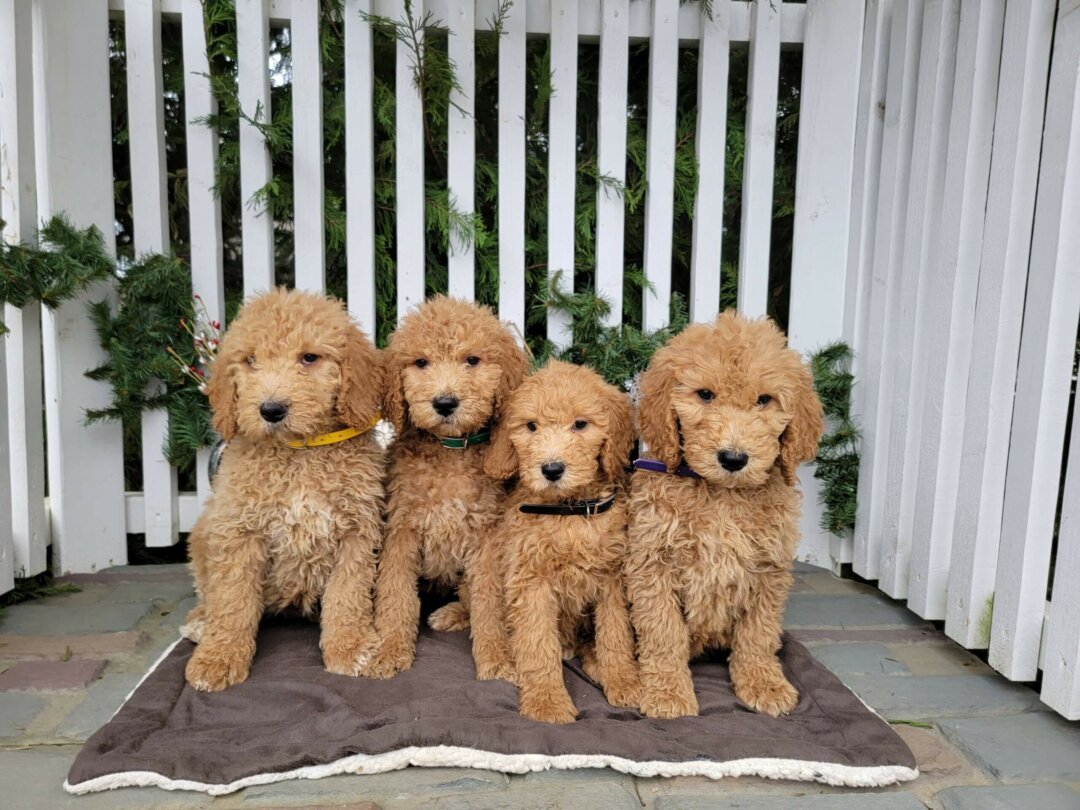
x=624, y=691
x=212, y=669
x=773, y=696
x=554, y=706
x=496, y=670
x=669, y=701
x=449, y=618
x=348, y=653
x=389, y=661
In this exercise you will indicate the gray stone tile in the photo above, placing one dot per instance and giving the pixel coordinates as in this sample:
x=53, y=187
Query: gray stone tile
x=850, y=659
x=101, y=702
x=550, y=790
x=1030, y=747
x=17, y=710
x=821, y=801
x=1009, y=797
x=916, y=698
x=405, y=787
x=821, y=610
x=34, y=779
x=53, y=617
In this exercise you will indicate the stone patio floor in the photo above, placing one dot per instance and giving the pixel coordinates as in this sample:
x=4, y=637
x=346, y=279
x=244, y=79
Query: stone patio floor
x=67, y=662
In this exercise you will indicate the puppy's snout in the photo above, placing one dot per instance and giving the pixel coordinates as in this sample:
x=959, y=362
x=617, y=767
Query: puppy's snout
x=272, y=411
x=444, y=406
x=553, y=470
x=732, y=460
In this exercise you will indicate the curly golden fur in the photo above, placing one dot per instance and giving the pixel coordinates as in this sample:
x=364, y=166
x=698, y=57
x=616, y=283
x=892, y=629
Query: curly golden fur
x=441, y=506
x=558, y=567
x=710, y=558
x=289, y=527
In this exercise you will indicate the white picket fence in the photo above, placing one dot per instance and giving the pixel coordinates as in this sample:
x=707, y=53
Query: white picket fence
x=920, y=131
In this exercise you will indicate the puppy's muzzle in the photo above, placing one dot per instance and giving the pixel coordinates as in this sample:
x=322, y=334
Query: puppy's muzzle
x=273, y=412
x=732, y=460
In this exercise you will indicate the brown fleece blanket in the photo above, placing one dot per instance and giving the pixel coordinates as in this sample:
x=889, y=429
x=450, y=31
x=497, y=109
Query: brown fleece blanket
x=292, y=719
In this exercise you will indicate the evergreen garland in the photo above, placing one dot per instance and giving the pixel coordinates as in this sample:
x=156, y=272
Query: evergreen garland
x=838, y=451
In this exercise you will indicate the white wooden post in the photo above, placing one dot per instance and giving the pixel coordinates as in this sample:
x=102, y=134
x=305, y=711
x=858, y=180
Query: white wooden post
x=18, y=208
x=409, y=169
x=828, y=110
x=611, y=155
x=711, y=145
x=308, y=152
x=512, y=166
x=660, y=164
x=1014, y=171
x=146, y=128
x=461, y=145
x=360, y=164
x=1047, y=348
x=904, y=357
x=74, y=140
x=761, y=90
x=204, y=205
x=562, y=161
x=948, y=310
x=7, y=519
x=256, y=222
x=898, y=131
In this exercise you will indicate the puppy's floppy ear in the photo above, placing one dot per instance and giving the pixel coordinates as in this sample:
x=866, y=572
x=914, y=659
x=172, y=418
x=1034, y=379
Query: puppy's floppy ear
x=799, y=441
x=221, y=390
x=656, y=415
x=394, y=406
x=362, y=380
x=514, y=364
x=615, y=450
x=501, y=460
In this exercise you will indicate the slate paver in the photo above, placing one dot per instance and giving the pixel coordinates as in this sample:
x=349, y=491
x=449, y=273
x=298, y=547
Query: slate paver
x=859, y=658
x=939, y=659
x=101, y=702
x=52, y=617
x=41, y=676
x=1010, y=797
x=821, y=610
x=1035, y=746
x=93, y=645
x=17, y=711
x=917, y=698
x=827, y=801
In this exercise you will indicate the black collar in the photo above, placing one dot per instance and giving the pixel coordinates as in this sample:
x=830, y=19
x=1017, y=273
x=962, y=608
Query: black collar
x=589, y=507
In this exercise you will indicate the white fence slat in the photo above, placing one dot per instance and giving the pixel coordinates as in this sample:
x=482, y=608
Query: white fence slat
x=73, y=131
x=948, y=310
x=660, y=162
x=7, y=519
x=512, y=166
x=257, y=226
x=828, y=109
x=711, y=147
x=611, y=155
x=933, y=100
x=18, y=208
x=360, y=164
x=762, y=86
x=146, y=128
x=189, y=507
x=562, y=161
x=461, y=145
x=1014, y=171
x=308, y=152
x=897, y=134
x=1047, y=347
x=409, y=172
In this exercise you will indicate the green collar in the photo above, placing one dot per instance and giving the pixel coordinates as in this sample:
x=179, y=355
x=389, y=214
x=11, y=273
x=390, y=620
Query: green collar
x=462, y=442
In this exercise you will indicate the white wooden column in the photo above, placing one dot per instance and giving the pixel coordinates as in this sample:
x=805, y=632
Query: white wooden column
x=1047, y=348
x=18, y=209
x=461, y=145
x=409, y=173
x=360, y=164
x=74, y=139
x=7, y=519
x=611, y=155
x=823, y=182
x=512, y=166
x=308, y=153
x=256, y=222
x=711, y=145
x=1010, y=209
x=562, y=161
x=762, y=86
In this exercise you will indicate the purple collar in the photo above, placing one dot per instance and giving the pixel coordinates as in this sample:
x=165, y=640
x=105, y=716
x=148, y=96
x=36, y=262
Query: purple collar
x=649, y=465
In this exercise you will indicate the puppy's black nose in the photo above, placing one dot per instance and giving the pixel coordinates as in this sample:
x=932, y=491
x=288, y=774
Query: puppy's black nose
x=732, y=460
x=444, y=406
x=273, y=411
x=553, y=470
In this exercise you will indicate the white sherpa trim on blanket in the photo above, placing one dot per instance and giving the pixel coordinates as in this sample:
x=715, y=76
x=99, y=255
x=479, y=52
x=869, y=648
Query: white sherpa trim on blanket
x=445, y=756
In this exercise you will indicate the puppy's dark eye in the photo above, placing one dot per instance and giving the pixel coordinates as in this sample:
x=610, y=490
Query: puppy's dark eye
x=580, y=424
x=472, y=359
x=706, y=395
x=308, y=359
x=531, y=426
x=763, y=400
x=421, y=362
x=250, y=360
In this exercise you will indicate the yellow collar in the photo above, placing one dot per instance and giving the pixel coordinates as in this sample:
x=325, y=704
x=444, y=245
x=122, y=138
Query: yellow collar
x=335, y=437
